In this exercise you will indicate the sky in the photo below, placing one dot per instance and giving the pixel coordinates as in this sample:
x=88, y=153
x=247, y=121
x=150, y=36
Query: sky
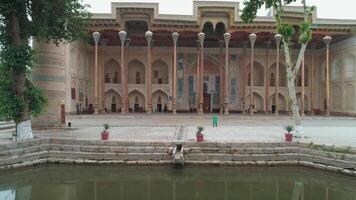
x=345, y=9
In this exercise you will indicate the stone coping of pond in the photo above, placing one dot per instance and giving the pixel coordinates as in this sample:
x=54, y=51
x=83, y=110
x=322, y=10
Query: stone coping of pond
x=70, y=151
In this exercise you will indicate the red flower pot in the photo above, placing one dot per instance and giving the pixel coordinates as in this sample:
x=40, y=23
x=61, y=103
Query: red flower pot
x=105, y=135
x=200, y=137
x=288, y=137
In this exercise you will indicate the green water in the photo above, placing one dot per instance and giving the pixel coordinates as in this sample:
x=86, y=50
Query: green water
x=166, y=183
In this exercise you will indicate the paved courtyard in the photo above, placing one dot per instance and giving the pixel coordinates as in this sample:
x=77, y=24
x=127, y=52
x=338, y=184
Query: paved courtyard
x=339, y=131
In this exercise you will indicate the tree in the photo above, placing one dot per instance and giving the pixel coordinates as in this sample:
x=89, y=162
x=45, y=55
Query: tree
x=289, y=34
x=55, y=21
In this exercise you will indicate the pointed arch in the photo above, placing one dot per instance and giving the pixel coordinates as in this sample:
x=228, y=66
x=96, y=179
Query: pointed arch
x=258, y=74
x=208, y=29
x=112, y=101
x=336, y=69
x=350, y=97
x=282, y=102
x=336, y=97
x=258, y=102
x=160, y=101
x=282, y=75
x=349, y=66
x=112, y=71
x=220, y=29
x=160, y=74
x=136, y=101
x=137, y=72
x=306, y=102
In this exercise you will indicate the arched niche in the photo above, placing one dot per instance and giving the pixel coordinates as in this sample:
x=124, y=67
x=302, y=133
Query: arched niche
x=136, y=101
x=282, y=75
x=136, y=72
x=160, y=73
x=112, y=71
x=220, y=30
x=350, y=97
x=306, y=76
x=258, y=74
x=257, y=102
x=349, y=66
x=306, y=102
x=160, y=101
x=112, y=101
x=336, y=97
x=336, y=69
x=282, y=102
x=208, y=29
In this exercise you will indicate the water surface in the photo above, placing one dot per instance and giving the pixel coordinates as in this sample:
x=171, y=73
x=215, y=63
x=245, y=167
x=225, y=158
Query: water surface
x=55, y=182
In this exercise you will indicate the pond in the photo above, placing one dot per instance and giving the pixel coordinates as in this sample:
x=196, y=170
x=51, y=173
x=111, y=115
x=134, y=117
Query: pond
x=65, y=182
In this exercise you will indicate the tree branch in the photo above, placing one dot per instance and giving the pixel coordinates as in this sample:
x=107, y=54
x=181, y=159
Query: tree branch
x=299, y=61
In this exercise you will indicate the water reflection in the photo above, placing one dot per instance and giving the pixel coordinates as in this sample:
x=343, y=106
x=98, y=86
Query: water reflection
x=148, y=183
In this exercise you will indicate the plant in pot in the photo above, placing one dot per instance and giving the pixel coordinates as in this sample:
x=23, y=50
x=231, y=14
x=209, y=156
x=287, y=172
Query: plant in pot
x=200, y=135
x=288, y=136
x=105, y=132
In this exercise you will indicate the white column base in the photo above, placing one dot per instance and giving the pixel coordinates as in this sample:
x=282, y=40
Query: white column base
x=299, y=131
x=24, y=130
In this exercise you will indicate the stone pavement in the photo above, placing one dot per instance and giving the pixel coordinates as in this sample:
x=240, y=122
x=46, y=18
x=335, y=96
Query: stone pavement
x=339, y=131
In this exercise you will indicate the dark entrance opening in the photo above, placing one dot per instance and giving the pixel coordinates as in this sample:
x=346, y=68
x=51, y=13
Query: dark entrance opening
x=113, y=107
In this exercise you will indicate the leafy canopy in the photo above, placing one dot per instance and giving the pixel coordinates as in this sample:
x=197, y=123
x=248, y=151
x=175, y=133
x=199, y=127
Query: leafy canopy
x=249, y=13
x=20, y=20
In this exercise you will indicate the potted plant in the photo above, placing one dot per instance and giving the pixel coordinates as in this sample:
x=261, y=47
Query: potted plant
x=288, y=136
x=105, y=132
x=199, y=135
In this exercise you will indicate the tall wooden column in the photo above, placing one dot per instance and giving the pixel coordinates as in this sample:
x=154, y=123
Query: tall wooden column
x=327, y=40
x=123, y=35
x=278, y=38
x=149, y=35
x=268, y=44
x=96, y=37
x=227, y=37
x=127, y=45
x=197, y=94
x=201, y=37
x=221, y=98
x=244, y=44
x=175, y=37
x=311, y=79
x=252, y=38
x=302, y=99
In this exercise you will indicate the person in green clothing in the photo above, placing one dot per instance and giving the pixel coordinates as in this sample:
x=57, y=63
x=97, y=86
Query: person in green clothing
x=215, y=121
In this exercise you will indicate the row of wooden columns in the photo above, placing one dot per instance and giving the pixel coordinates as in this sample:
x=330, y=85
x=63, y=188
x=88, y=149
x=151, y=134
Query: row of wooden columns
x=224, y=80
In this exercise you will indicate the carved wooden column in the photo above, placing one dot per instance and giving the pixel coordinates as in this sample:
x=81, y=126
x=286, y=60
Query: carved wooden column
x=244, y=44
x=311, y=79
x=175, y=37
x=96, y=37
x=148, y=36
x=278, y=38
x=252, y=38
x=198, y=77
x=221, y=98
x=201, y=37
x=302, y=100
x=268, y=44
x=327, y=40
x=227, y=37
x=123, y=35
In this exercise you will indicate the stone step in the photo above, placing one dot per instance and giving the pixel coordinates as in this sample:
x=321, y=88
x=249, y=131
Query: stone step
x=249, y=150
x=7, y=127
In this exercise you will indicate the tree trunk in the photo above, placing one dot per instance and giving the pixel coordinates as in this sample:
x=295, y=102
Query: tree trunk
x=24, y=125
x=291, y=75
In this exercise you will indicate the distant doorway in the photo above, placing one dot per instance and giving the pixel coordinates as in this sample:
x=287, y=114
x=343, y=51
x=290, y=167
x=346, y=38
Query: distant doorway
x=159, y=104
x=207, y=103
